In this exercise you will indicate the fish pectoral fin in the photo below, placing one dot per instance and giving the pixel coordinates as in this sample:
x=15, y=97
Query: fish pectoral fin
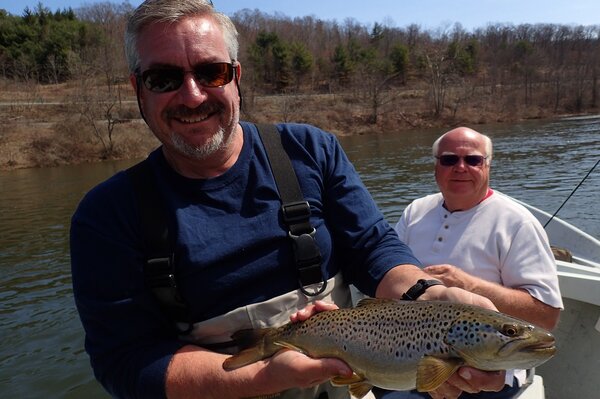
x=360, y=390
x=432, y=372
x=341, y=380
x=261, y=348
x=244, y=358
x=290, y=346
x=356, y=384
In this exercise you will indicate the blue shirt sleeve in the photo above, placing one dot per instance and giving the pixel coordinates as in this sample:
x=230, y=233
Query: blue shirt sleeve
x=364, y=243
x=129, y=341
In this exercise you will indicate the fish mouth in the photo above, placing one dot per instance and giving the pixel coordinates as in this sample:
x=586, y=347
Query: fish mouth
x=546, y=346
x=541, y=347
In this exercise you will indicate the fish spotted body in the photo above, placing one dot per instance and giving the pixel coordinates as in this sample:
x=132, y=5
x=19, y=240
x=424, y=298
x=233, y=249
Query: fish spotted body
x=400, y=345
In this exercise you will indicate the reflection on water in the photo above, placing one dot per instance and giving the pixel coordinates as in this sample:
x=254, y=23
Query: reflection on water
x=41, y=351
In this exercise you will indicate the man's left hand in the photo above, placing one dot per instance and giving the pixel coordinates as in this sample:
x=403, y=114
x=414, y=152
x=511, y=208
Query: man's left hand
x=468, y=379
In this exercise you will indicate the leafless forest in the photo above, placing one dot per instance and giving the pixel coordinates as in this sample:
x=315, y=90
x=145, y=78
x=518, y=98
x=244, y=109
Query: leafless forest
x=64, y=94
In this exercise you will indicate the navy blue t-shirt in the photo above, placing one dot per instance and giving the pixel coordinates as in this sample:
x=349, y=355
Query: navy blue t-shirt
x=232, y=249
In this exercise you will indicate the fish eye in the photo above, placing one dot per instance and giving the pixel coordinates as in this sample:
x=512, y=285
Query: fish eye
x=510, y=330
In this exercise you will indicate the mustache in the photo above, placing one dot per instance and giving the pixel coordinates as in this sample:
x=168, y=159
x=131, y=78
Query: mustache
x=204, y=109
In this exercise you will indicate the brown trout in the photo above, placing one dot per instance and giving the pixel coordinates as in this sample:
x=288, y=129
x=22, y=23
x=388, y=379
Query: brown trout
x=400, y=345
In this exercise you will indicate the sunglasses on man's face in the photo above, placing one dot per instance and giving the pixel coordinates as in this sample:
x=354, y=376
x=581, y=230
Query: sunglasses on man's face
x=451, y=159
x=165, y=79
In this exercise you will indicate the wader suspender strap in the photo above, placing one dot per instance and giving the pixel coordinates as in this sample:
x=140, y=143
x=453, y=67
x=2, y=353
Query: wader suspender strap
x=159, y=269
x=296, y=212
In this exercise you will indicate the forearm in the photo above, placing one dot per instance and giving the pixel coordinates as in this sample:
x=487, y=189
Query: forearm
x=399, y=279
x=195, y=372
x=516, y=302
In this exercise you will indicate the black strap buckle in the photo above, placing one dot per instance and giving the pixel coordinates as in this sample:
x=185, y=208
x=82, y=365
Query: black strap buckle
x=308, y=261
x=296, y=215
x=159, y=273
x=295, y=212
x=160, y=278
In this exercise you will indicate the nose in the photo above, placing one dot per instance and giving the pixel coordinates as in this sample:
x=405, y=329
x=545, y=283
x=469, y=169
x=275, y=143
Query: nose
x=191, y=92
x=461, y=164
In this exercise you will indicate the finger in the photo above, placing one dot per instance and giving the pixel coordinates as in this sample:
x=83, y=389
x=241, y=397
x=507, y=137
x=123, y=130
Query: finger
x=302, y=314
x=312, y=309
x=322, y=306
x=436, y=268
x=492, y=381
x=472, y=380
x=446, y=391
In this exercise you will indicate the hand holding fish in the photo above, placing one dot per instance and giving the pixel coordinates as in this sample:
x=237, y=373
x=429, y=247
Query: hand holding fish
x=289, y=368
x=306, y=370
x=400, y=345
x=312, y=309
x=471, y=380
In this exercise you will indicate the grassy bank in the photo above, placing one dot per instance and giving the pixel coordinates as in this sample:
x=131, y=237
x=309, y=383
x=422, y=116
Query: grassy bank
x=54, y=125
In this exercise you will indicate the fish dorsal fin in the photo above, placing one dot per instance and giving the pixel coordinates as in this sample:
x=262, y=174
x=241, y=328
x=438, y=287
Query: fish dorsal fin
x=365, y=302
x=357, y=385
x=432, y=372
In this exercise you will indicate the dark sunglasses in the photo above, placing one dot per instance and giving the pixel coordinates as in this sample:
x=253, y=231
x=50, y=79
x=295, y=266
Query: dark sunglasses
x=162, y=80
x=451, y=159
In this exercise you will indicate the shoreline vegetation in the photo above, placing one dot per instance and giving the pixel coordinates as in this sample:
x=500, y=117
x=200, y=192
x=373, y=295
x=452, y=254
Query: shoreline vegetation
x=65, y=96
x=44, y=126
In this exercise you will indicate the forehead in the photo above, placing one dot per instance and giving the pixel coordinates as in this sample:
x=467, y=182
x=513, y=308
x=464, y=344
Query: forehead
x=462, y=143
x=186, y=42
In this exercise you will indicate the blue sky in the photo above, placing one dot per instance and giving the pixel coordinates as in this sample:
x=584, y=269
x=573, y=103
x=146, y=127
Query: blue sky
x=429, y=14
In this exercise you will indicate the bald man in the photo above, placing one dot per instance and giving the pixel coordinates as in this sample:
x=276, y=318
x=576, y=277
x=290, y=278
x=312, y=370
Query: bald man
x=481, y=241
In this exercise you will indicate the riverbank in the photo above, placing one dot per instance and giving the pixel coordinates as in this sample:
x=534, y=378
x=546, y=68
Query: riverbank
x=51, y=125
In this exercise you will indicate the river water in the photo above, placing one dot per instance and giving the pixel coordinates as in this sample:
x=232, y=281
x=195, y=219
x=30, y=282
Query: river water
x=41, y=350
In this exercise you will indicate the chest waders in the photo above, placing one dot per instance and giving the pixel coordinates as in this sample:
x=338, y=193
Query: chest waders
x=159, y=243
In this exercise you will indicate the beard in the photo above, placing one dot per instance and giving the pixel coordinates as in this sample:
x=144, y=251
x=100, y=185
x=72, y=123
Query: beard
x=214, y=144
x=218, y=141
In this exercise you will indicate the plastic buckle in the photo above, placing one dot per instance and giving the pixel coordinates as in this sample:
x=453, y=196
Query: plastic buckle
x=294, y=212
x=159, y=273
x=308, y=261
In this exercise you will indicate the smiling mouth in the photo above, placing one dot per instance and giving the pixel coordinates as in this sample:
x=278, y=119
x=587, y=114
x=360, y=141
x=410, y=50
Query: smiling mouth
x=195, y=119
x=186, y=115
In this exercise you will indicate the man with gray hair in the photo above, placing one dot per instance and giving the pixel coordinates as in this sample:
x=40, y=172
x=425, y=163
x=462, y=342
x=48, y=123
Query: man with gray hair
x=233, y=262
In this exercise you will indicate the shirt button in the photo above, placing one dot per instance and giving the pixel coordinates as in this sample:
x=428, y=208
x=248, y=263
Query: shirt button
x=440, y=239
x=446, y=226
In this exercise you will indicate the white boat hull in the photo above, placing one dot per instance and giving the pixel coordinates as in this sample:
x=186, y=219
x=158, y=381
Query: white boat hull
x=575, y=370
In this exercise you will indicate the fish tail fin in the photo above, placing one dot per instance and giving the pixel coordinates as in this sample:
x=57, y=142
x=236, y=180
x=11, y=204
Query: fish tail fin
x=256, y=345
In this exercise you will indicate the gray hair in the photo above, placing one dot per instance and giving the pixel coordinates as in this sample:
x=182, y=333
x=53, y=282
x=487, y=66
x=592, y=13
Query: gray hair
x=152, y=11
x=487, y=144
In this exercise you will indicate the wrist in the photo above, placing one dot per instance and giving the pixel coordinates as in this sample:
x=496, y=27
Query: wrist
x=421, y=288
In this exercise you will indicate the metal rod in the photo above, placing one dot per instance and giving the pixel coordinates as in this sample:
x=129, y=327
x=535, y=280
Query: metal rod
x=572, y=192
